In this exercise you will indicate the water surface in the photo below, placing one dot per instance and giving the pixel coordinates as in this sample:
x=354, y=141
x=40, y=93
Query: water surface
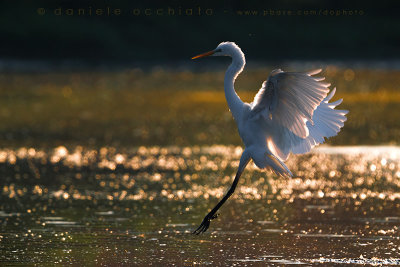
x=139, y=206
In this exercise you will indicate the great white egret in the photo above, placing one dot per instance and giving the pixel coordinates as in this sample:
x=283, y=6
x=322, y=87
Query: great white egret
x=290, y=113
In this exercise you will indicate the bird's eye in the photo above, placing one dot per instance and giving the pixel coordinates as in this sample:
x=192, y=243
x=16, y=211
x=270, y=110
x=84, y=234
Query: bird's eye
x=218, y=50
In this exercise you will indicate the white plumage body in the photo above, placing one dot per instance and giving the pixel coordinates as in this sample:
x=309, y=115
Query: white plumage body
x=291, y=113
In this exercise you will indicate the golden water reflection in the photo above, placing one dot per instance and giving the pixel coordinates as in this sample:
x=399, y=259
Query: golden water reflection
x=193, y=172
x=111, y=206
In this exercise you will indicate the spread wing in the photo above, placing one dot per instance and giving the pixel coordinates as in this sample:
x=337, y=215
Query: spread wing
x=327, y=123
x=290, y=99
x=287, y=102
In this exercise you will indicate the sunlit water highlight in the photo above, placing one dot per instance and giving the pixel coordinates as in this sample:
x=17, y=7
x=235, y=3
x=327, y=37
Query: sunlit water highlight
x=139, y=206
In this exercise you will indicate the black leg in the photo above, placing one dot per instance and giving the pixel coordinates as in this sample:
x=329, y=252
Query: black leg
x=211, y=215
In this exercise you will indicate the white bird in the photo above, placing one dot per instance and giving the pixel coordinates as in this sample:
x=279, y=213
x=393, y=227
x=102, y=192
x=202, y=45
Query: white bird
x=291, y=113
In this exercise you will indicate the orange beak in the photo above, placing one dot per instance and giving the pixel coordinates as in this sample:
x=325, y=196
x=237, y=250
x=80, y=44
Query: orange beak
x=206, y=54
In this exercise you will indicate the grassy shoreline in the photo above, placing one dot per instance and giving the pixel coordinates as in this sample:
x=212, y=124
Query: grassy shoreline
x=134, y=108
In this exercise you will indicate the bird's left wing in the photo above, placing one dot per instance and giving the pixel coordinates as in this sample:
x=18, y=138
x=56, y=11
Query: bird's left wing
x=288, y=101
x=327, y=123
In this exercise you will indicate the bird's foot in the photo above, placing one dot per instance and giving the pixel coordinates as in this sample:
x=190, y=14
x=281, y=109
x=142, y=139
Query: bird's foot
x=205, y=224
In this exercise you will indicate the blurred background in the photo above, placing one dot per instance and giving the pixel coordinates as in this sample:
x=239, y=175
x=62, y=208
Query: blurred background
x=119, y=72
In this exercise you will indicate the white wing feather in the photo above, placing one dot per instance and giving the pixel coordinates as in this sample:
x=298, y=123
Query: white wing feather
x=327, y=123
x=290, y=98
x=296, y=109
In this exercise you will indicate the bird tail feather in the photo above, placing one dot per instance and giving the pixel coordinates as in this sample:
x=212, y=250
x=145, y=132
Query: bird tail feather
x=278, y=166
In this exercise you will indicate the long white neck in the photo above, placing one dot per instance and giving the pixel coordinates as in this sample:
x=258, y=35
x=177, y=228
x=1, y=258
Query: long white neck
x=235, y=104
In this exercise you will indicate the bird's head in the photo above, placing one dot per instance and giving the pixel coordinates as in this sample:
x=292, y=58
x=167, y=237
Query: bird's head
x=223, y=49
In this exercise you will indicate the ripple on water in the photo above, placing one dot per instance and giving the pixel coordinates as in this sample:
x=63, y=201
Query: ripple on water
x=60, y=223
x=326, y=235
x=245, y=260
x=105, y=213
x=177, y=225
x=361, y=261
x=289, y=262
